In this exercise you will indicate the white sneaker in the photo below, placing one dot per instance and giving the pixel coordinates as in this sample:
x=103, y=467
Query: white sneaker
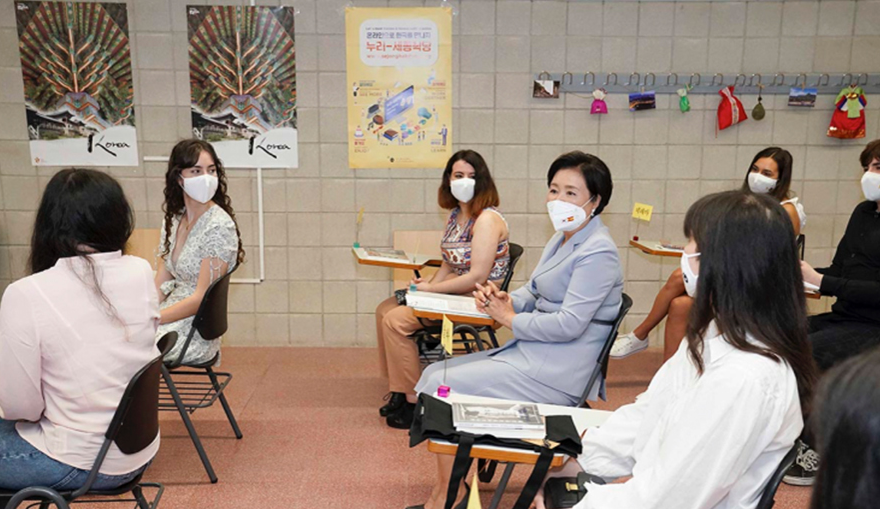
x=626, y=345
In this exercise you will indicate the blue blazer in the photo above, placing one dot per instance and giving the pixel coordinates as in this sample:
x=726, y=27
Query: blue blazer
x=556, y=341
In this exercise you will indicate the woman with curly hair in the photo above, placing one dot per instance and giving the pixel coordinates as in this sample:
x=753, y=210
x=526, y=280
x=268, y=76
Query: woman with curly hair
x=200, y=243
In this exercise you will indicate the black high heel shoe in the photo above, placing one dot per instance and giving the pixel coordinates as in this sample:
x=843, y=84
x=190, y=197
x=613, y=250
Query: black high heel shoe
x=395, y=401
x=403, y=417
x=461, y=505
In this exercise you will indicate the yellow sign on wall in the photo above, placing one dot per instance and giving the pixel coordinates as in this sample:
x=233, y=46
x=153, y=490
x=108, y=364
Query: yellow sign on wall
x=642, y=211
x=399, y=87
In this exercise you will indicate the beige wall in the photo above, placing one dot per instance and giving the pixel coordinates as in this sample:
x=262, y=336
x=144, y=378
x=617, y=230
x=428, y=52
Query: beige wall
x=316, y=295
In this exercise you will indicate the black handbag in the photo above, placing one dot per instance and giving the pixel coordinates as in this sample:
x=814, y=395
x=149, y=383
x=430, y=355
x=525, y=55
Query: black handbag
x=433, y=420
x=564, y=492
x=400, y=295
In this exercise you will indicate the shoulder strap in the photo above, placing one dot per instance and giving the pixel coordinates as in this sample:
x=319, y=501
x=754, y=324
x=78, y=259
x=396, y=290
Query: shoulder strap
x=535, y=479
x=460, y=468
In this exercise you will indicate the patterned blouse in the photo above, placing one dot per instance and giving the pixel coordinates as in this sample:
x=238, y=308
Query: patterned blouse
x=212, y=236
x=456, y=247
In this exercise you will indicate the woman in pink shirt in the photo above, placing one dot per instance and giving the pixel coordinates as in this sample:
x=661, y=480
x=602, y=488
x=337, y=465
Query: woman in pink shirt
x=72, y=334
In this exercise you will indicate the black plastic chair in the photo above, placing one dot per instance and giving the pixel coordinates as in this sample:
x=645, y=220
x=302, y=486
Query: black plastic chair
x=486, y=468
x=602, y=362
x=469, y=336
x=135, y=426
x=767, y=497
x=189, y=387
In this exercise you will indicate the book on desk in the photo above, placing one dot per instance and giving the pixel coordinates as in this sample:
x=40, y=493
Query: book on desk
x=442, y=303
x=502, y=420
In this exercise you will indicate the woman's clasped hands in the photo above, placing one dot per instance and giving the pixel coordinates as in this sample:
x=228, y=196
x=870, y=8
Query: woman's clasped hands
x=495, y=303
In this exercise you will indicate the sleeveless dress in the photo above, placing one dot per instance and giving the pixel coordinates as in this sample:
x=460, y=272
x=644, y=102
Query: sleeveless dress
x=456, y=247
x=212, y=236
x=802, y=215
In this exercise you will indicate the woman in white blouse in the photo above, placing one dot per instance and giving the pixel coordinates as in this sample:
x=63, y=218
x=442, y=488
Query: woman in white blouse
x=719, y=416
x=72, y=334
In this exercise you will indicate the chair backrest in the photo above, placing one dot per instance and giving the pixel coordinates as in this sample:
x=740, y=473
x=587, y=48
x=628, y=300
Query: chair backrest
x=602, y=362
x=516, y=252
x=210, y=319
x=801, y=244
x=769, y=493
x=135, y=423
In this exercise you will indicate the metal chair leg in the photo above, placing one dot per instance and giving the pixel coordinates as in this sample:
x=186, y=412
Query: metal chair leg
x=494, y=339
x=502, y=485
x=47, y=494
x=486, y=469
x=225, y=404
x=189, y=425
x=139, y=498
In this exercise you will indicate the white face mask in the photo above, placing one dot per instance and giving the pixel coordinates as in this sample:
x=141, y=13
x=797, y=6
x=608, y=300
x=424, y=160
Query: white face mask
x=463, y=189
x=761, y=184
x=201, y=188
x=871, y=186
x=687, y=273
x=567, y=216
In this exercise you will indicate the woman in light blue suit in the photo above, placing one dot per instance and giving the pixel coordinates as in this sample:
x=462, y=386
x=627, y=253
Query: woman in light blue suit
x=560, y=318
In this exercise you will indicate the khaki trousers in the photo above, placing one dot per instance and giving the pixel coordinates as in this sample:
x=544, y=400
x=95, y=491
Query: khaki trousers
x=398, y=354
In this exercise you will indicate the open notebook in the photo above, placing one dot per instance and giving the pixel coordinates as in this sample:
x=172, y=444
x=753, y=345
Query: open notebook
x=443, y=303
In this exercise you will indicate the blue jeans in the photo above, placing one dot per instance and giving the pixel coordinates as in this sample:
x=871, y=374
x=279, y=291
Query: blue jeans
x=21, y=466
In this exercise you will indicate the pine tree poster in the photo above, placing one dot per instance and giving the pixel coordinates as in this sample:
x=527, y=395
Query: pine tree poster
x=76, y=68
x=242, y=68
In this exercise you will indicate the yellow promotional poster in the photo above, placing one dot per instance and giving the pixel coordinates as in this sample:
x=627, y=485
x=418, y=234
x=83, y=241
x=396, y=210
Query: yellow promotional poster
x=643, y=212
x=399, y=87
x=446, y=335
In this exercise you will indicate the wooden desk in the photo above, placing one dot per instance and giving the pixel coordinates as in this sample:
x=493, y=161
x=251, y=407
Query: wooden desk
x=418, y=261
x=471, y=320
x=653, y=247
x=583, y=418
x=813, y=295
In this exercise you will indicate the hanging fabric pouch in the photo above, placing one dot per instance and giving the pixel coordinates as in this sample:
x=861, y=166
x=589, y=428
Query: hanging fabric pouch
x=684, y=104
x=758, y=111
x=730, y=110
x=599, y=107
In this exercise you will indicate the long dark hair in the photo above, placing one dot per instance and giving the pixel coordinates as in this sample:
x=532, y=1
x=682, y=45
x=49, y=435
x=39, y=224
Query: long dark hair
x=81, y=212
x=485, y=192
x=784, y=163
x=186, y=155
x=750, y=282
x=847, y=430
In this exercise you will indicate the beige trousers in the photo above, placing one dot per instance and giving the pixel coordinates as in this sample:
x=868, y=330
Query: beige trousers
x=398, y=354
